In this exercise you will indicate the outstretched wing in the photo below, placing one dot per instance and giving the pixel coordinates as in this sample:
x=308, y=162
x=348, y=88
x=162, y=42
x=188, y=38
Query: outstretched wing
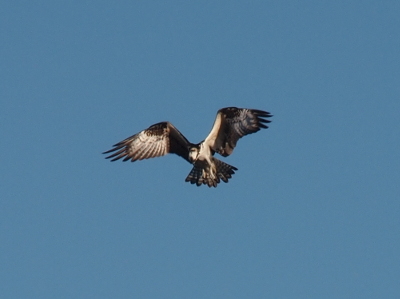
x=233, y=123
x=156, y=141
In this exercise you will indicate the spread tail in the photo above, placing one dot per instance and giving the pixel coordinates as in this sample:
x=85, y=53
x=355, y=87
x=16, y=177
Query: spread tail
x=211, y=175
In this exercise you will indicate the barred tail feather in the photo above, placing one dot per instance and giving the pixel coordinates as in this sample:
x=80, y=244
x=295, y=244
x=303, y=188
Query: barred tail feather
x=195, y=176
x=200, y=175
x=224, y=171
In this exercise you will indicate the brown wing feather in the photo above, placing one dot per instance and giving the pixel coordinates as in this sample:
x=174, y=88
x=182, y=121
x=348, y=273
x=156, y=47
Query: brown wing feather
x=156, y=141
x=232, y=124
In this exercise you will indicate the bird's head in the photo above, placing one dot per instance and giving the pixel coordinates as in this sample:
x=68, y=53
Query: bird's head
x=193, y=153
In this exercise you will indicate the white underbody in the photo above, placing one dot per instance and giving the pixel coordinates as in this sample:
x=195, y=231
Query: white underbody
x=205, y=160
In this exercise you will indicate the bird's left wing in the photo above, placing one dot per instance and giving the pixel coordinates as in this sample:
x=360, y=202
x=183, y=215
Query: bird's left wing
x=156, y=141
x=233, y=123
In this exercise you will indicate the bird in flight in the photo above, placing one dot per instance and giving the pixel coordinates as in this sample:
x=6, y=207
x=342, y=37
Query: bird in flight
x=163, y=138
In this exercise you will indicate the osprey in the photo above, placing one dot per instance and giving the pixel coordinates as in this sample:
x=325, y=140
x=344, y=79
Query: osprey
x=162, y=138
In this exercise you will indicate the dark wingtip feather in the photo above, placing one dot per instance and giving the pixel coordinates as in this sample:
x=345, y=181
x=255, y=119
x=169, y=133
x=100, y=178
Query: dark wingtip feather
x=261, y=113
x=261, y=117
x=109, y=151
x=264, y=120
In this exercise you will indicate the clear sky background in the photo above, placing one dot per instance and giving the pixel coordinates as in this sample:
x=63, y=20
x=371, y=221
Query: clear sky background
x=312, y=212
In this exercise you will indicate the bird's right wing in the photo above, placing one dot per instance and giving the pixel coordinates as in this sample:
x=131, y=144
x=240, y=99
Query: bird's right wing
x=156, y=141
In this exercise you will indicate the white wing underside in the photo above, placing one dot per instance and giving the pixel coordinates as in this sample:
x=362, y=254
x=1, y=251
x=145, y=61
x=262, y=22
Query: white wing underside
x=156, y=141
x=144, y=147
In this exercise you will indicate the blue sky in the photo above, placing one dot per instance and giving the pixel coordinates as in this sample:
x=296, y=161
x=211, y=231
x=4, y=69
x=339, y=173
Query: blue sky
x=312, y=212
